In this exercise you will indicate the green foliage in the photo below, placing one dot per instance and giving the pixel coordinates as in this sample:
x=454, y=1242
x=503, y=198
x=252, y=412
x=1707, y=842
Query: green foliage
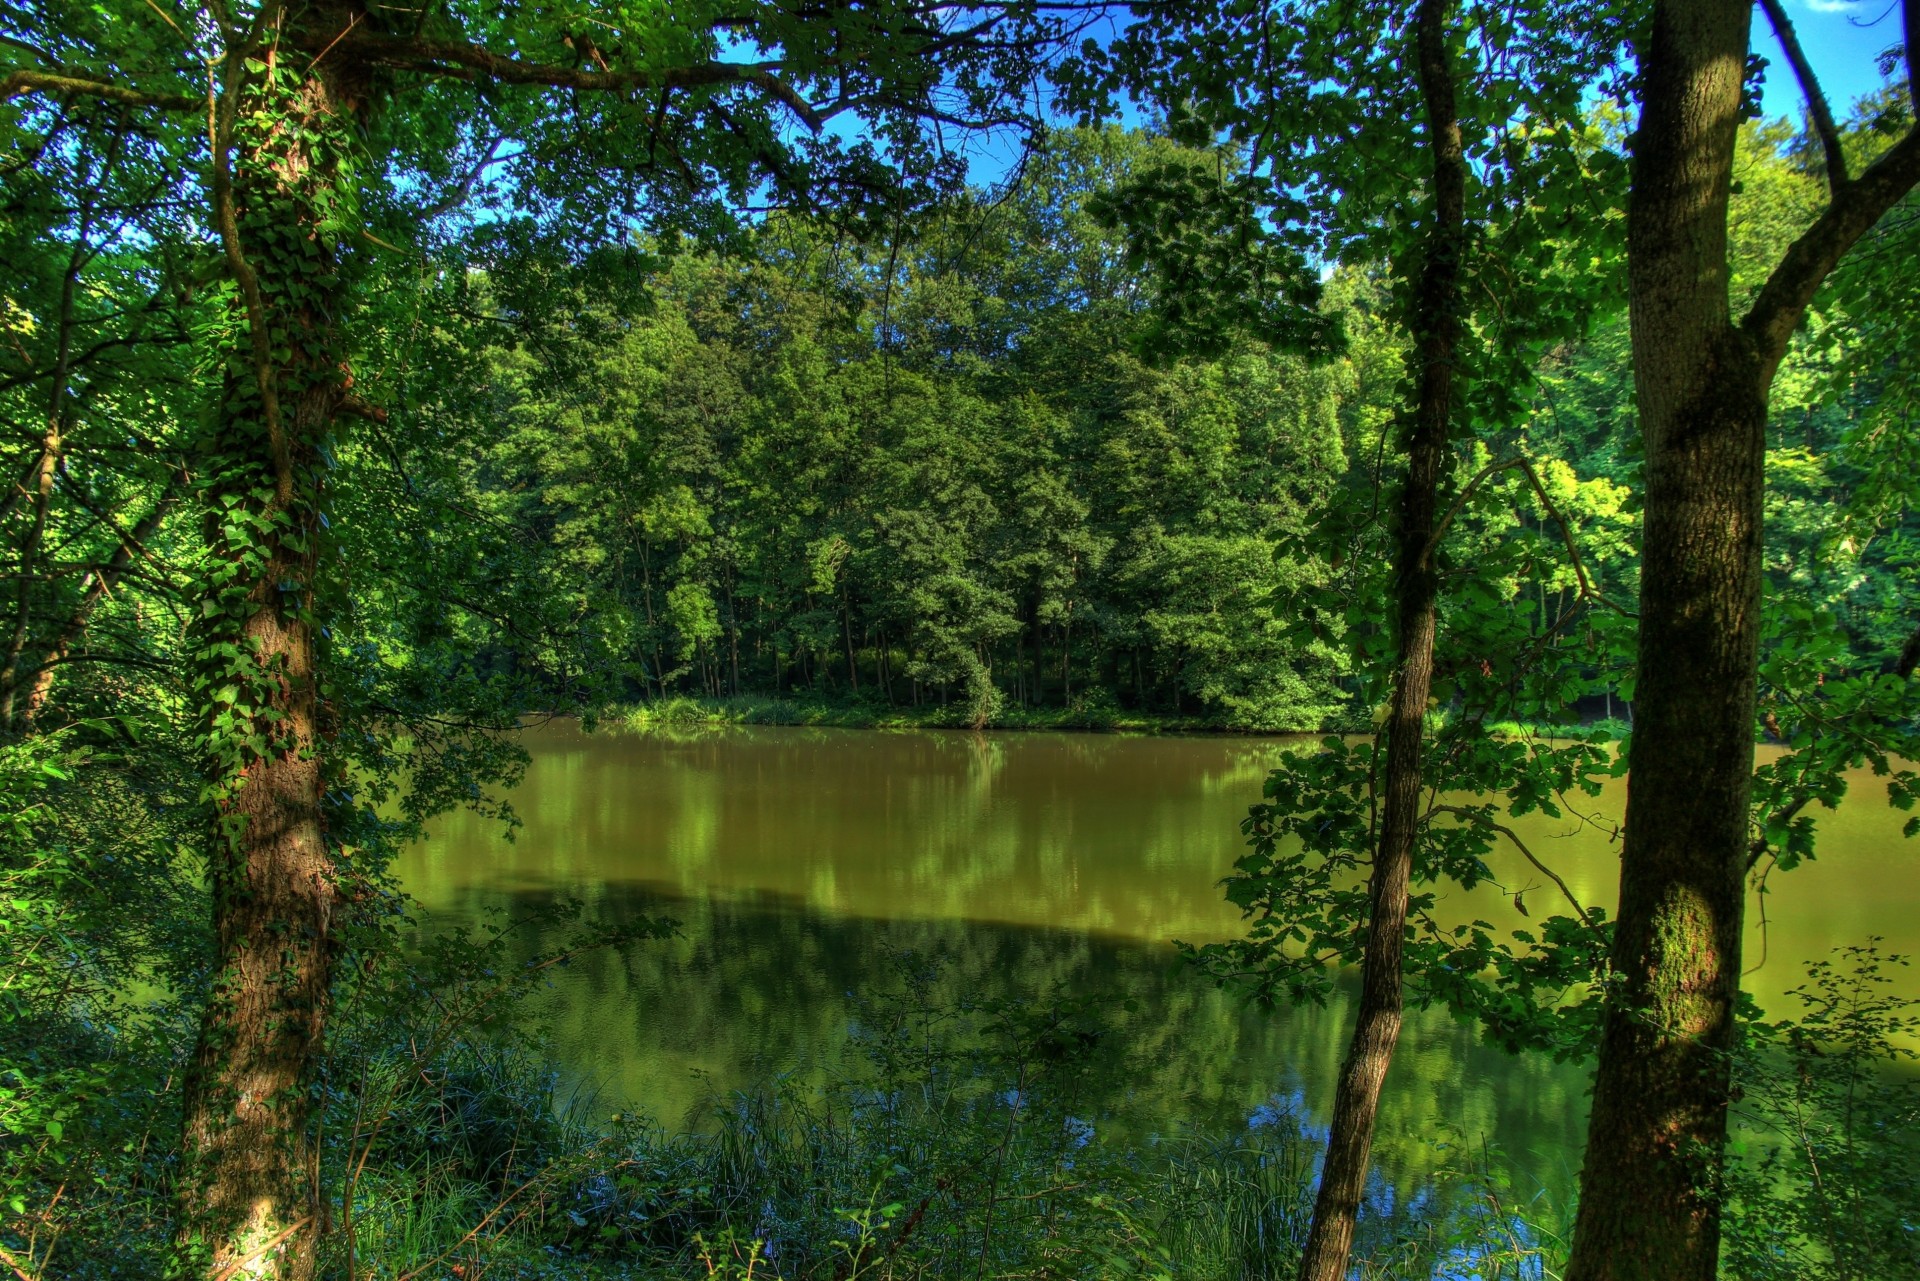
x=1302, y=884
x=928, y=473
x=93, y=927
x=1825, y=1183
x=1058, y=458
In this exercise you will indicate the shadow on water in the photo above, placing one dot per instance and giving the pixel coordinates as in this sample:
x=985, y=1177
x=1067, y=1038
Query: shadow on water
x=759, y=987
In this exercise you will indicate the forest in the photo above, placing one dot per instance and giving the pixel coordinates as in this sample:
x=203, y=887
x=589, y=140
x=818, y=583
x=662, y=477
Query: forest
x=1515, y=400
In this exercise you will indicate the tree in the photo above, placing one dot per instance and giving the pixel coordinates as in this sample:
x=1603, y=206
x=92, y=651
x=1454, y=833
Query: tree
x=1702, y=376
x=324, y=123
x=1452, y=180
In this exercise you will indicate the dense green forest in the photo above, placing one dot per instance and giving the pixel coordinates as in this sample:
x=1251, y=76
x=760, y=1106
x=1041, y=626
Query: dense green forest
x=374, y=379
x=933, y=471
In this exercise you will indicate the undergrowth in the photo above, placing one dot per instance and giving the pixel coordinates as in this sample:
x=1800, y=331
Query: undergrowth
x=958, y=1147
x=963, y=1142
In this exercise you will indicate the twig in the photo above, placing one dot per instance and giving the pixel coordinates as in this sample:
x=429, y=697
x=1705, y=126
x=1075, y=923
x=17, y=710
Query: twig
x=261, y=1251
x=1477, y=817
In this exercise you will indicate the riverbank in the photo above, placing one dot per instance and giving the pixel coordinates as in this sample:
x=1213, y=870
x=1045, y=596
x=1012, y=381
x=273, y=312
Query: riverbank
x=1098, y=715
x=1086, y=715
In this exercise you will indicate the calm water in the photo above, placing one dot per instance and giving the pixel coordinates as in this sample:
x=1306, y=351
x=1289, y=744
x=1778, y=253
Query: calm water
x=804, y=864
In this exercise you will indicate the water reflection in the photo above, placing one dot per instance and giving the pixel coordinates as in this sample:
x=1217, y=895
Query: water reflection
x=800, y=862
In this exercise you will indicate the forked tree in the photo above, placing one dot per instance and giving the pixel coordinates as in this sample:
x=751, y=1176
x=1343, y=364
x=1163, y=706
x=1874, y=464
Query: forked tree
x=1702, y=377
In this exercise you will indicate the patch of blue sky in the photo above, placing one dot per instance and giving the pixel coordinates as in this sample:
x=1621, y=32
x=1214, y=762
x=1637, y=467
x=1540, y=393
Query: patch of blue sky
x=1843, y=40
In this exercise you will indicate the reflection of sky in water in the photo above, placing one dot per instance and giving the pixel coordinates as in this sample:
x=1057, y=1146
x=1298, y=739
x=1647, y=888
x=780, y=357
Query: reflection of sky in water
x=803, y=863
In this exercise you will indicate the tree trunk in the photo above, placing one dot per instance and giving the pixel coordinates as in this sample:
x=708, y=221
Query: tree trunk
x=846, y=637
x=1657, y=1137
x=248, y=1200
x=733, y=641
x=1066, y=658
x=653, y=624
x=1659, y=1120
x=1436, y=308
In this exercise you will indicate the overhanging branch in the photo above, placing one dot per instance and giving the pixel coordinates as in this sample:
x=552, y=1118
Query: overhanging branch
x=462, y=61
x=17, y=83
x=1810, y=259
x=1566, y=891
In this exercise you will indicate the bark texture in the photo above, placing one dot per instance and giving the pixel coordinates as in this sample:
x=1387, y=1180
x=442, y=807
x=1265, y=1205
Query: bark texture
x=1659, y=1121
x=1648, y=1204
x=1377, y=1021
x=249, y=1204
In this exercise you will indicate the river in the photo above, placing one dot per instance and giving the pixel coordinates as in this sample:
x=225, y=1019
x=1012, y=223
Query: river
x=811, y=869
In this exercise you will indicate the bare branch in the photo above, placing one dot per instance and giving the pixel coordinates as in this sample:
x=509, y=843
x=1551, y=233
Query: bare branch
x=1522, y=465
x=351, y=404
x=1810, y=90
x=1481, y=819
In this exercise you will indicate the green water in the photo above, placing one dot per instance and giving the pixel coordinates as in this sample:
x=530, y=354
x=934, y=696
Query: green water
x=803, y=865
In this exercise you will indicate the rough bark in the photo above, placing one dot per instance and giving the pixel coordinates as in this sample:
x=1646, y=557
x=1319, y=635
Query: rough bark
x=248, y=1202
x=1659, y=1118
x=1377, y=1019
x=1648, y=1205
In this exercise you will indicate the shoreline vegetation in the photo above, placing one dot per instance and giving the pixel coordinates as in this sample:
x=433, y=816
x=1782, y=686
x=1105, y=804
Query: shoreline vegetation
x=1095, y=714
x=961, y=1141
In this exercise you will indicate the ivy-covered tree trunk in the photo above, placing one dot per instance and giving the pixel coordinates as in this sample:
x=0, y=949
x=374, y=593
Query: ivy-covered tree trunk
x=248, y=1200
x=1435, y=320
x=1656, y=1140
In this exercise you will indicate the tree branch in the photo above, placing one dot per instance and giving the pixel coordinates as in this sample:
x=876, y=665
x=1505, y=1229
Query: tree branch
x=18, y=83
x=1850, y=215
x=467, y=62
x=1566, y=890
x=1910, y=33
x=352, y=404
x=1810, y=89
x=1520, y=463
x=220, y=124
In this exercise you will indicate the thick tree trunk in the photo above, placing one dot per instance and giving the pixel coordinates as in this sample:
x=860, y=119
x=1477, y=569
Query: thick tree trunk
x=1376, y=1029
x=1659, y=1122
x=248, y=1195
x=1657, y=1138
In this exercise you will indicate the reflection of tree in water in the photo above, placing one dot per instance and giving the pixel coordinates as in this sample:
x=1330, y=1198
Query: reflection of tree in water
x=751, y=990
x=1082, y=831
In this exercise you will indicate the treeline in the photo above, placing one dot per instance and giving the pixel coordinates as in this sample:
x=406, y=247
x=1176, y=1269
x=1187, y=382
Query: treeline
x=932, y=471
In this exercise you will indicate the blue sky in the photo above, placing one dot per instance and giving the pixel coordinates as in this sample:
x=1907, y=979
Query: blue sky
x=1843, y=40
